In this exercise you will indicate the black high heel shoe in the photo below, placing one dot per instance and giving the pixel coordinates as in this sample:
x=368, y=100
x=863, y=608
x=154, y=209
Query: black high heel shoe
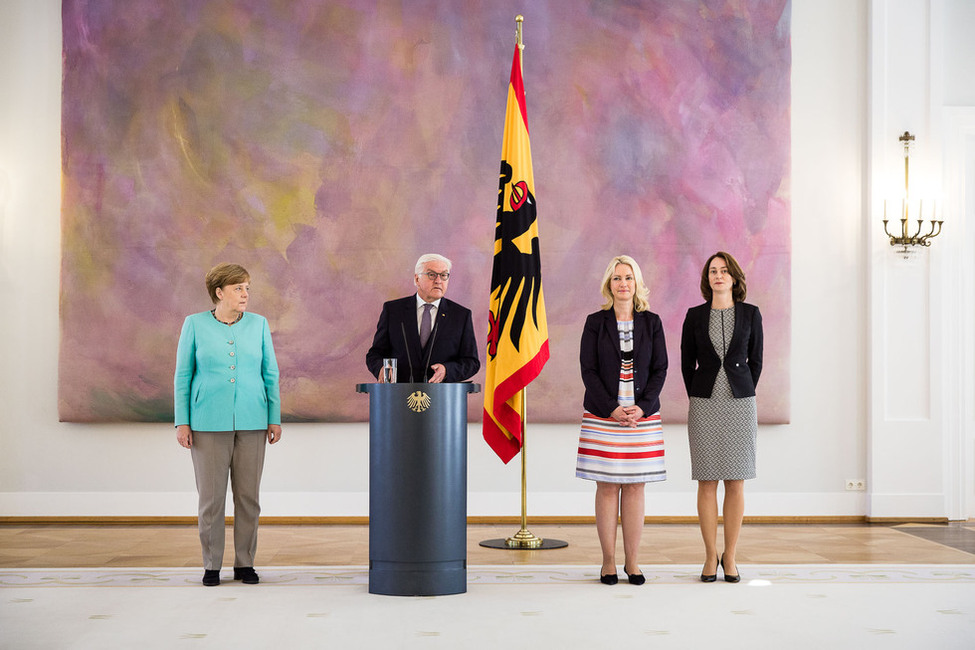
x=710, y=577
x=636, y=578
x=727, y=576
x=609, y=578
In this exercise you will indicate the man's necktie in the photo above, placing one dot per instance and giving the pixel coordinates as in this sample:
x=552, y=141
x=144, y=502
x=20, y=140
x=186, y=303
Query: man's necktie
x=425, y=325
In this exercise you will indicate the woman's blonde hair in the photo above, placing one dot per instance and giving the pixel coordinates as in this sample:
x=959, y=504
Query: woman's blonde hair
x=640, y=302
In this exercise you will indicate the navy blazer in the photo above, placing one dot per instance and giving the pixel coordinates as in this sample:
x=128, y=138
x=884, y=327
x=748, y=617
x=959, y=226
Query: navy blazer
x=600, y=359
x=699, y=362
x=452, y=341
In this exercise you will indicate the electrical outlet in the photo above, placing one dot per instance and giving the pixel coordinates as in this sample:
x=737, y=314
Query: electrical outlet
x=856, y=484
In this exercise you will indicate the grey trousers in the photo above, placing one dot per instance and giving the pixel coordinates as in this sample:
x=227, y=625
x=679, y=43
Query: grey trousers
x=241, y=455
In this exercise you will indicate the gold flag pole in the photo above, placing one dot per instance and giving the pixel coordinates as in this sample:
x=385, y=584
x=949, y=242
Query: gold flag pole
x=524, y=539
x=519, y=19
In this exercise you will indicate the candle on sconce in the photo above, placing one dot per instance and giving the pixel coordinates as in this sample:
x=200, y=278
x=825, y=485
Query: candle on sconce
x=907, y=236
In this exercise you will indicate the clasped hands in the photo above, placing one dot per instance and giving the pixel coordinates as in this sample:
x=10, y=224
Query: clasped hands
x=627, y=415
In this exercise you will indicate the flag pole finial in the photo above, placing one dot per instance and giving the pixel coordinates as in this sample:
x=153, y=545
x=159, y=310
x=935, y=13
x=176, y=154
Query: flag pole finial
x=519, y=19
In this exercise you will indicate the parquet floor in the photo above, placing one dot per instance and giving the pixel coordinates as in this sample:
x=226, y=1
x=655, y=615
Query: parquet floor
x=58, y=545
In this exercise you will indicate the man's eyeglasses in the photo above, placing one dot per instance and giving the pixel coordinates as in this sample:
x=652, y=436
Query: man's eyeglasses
x=433, y=275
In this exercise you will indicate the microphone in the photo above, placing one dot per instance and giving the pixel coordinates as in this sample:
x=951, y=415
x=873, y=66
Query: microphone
x=406, y=344
x=433, y=339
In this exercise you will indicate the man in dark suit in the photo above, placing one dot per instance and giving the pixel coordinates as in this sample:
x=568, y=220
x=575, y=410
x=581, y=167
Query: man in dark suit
x=431, y=338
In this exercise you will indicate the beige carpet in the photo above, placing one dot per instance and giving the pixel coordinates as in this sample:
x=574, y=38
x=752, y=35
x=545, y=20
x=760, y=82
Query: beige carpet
x=776, y=606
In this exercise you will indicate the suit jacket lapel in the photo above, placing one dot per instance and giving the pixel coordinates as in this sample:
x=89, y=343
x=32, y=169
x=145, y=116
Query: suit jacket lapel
x=638, y=322
x=704, y=325
x=612, y=333
x=408, y=316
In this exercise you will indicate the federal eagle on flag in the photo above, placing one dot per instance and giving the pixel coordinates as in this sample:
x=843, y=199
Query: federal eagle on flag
x=517, y=344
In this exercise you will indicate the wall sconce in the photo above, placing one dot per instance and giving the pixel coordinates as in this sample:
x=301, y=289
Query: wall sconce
x=917, y=239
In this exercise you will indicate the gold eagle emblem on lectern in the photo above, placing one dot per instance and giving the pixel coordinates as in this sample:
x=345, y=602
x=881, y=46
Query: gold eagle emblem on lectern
x=418, y=401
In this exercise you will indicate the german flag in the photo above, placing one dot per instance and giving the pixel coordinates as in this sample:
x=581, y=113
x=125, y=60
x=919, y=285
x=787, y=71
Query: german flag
x=517, y=346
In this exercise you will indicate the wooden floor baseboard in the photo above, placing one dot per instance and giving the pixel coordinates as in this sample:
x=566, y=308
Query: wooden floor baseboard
x=512, y=520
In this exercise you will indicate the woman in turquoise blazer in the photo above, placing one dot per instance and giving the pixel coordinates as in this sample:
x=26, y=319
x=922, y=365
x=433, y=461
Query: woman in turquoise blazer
x=227, y=406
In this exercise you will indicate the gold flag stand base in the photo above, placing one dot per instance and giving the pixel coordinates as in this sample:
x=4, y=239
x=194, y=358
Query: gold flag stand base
x=524, y=540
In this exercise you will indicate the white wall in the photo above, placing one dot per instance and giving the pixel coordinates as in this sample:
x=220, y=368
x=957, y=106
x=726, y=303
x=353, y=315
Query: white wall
x=920, y=428
x=52, y=468
x=958, y=18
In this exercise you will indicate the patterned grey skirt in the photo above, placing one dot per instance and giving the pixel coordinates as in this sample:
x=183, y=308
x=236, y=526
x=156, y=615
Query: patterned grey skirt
x=722, y=435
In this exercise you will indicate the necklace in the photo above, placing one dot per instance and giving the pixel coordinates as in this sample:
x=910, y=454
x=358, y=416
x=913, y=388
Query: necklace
x=234, y=322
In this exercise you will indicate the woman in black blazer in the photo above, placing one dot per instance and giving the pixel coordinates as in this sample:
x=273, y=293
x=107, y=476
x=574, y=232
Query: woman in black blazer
x=624, y=362
x=721, y=361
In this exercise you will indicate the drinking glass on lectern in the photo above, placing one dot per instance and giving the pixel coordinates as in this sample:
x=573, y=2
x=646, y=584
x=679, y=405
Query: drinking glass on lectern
x=388, y=374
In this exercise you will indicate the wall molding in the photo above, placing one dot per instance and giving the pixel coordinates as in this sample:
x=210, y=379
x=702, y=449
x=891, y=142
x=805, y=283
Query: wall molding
x=331, y=505
x=471, y=521
x=959, y=321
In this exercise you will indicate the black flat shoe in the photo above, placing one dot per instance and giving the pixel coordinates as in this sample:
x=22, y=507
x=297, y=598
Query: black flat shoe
x=636, y=578
x=211, y=577
x=728, y=577
x=247, y=575
x=609, y=578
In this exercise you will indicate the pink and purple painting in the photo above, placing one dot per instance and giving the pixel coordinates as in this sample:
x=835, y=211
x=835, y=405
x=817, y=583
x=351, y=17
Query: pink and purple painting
x=326, y=144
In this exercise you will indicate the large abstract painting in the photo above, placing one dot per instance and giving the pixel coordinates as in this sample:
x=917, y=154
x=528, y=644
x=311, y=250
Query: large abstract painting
x=326, y=144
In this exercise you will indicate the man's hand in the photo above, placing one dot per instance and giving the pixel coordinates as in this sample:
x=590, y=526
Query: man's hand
x=439, y=372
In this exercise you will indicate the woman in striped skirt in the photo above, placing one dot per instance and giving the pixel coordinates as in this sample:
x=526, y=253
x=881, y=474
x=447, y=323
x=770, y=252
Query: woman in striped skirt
x=624, y=362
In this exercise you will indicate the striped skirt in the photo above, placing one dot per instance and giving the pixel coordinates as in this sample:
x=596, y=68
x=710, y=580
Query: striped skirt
x=612, y=453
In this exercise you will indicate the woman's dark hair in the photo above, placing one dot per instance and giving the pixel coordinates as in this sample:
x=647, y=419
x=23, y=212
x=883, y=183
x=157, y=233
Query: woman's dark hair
x=738, y=289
